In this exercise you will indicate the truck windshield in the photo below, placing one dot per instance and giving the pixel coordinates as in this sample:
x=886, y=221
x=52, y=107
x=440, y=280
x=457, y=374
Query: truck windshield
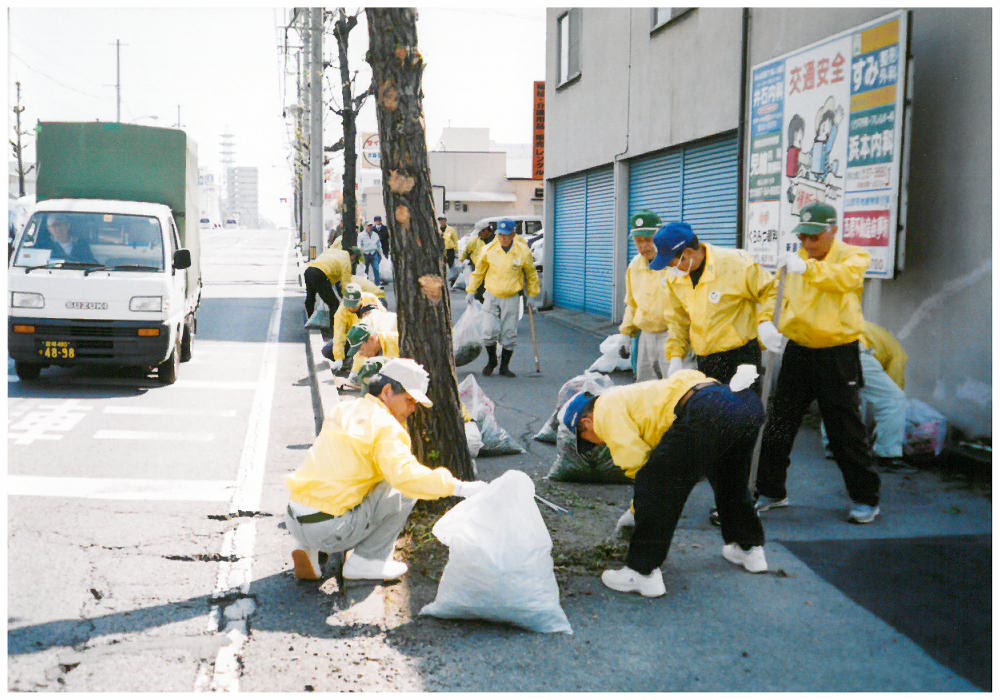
x=75, y=239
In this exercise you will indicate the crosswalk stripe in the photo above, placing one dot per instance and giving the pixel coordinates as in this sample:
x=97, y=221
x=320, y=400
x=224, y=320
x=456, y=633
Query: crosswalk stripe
x=152, y=435
x=120, y=489
x=150, y=411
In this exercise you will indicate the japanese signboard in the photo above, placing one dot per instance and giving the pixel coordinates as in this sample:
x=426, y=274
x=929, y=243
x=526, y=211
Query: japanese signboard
x=538, y=145
x=826, y=124
x=370, y=151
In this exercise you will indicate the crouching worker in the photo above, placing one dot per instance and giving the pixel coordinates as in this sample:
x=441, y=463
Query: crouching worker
x=666, y=435
x=360, y=479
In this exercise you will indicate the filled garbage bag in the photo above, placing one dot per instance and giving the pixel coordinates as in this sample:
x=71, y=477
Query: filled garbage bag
x=499, y=560
x=467, y=335
x=320, y=319
x=594, y=382
x=926, y=430
x=473, y=438
x=593, y=466
x=496, y=440
x=611, y=359
x=385, y=269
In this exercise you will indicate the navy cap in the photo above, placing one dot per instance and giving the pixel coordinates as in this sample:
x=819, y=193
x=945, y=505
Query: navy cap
x=670, y=241
x=575, y=407
x=506, y=227
x=378, y=218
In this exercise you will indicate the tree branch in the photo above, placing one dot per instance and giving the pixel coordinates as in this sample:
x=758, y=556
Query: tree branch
x=339, y=146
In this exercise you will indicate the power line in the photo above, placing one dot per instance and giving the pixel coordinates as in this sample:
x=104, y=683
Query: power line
x=54, y=80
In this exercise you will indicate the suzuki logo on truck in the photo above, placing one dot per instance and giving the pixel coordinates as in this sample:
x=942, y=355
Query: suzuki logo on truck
x=88, y=305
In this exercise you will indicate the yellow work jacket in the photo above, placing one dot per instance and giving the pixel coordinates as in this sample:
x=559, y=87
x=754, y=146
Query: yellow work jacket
x=633, y=419
x=368, y=286
x=887, y=350
x=507, y=271
x=472, y=250
x=386, y=330
x=361, y=445
x=646, y=299
x=344, y=320
x=335, y=264
x=821, y=307
x=450, y=236
x=720, y=313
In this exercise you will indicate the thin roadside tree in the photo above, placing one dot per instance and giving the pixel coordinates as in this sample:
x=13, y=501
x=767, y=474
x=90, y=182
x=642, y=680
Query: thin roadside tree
x=423, y=304
x=16, y=147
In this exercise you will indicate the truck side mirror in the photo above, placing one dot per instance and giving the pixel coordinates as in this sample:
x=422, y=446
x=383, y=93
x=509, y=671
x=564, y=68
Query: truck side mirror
x=182, y=259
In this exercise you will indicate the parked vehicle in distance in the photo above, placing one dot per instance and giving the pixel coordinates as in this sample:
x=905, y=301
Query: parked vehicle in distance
x=107, y=269
x=528, y=225
x=231, y=222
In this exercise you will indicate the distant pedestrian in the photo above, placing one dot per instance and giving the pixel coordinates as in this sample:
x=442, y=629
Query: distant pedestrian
x=360, y=480
x=821, y=318
x=507, y=269
x=450, y=240
x=327, y=275
x=647, y=300
x=369, y=243
x=667, y=435
x=383, y=235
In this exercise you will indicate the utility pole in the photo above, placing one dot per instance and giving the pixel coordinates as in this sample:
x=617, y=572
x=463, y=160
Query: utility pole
x=316, y=236
x=17, y=147
x=118, y=79
x=178, y=124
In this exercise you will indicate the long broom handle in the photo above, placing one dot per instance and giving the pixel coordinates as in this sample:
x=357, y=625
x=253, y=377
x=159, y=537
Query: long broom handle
x=534, y=341
x=771, y=368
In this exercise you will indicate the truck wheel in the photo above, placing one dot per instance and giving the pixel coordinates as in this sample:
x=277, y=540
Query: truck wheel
x=167, y=370
x=187, y=341
x=26, y=371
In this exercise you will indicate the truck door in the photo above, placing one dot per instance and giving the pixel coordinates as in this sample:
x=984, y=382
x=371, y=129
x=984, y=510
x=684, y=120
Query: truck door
x=178, y=286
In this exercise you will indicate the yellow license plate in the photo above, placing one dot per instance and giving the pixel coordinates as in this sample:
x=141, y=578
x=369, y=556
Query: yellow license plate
x=57, y=350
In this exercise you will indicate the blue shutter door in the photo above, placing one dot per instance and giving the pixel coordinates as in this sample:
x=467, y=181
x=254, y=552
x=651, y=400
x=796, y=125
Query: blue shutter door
x=569, y=242
x=655, y=184
x=711, y=191
x=599, y=271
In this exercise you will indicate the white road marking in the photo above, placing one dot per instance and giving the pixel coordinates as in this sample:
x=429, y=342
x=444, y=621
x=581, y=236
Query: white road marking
x=212, y=384
x=235, y=576
x=47, y=421
x=151, y=411
x=152, y=435
x=120, y=489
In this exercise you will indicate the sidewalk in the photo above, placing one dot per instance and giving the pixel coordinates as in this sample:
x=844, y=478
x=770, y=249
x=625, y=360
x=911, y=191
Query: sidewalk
x=902, y=604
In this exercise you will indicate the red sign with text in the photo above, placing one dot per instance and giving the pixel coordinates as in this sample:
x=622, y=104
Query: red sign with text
x=538, y=145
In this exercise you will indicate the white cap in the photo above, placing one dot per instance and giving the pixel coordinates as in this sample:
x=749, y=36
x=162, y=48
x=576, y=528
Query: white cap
x=411, y=375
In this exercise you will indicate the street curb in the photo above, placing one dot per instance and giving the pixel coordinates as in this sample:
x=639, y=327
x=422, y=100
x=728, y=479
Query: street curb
x=579, y=321
x=321, y=376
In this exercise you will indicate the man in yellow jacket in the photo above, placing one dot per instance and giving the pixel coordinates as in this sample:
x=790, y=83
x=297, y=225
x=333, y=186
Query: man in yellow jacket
x=327, y=276
x=376, y=335
x=507, y=268
x=346, y=318
x=647, y=300
x=450, y=236
x=821, y=318
x=360, y=479
x=475, y=247
x=668, y=434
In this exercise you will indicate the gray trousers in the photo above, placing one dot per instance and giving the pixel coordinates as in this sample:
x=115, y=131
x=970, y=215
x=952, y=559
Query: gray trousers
x=505, y=317
x=370, y=529
x=652, y=360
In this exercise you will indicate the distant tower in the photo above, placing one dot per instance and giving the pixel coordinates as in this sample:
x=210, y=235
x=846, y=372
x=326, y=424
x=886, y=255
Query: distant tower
x=227, y=156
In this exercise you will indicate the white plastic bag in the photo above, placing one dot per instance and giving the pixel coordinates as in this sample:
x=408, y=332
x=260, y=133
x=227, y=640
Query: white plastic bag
x=320, y=319
x=462, y=281
x=467, y=335
x=611, y=359
x=496, y=440
x=594, y=382
x=473, y=438
x=385, y=269
x=499, y=560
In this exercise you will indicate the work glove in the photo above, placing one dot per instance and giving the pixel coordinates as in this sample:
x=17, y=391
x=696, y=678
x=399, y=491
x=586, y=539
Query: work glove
x=464, y=489
x=744, y=378
x=794, y=264
x=770, y=337
x=676, y=365
x=336, y=365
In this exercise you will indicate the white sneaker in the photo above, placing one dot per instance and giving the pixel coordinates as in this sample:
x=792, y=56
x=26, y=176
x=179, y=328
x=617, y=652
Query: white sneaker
x=862, y=514
x=306, y=563
x=358, y=567
x=766, y=503
x=752, y=560
x=625, y=580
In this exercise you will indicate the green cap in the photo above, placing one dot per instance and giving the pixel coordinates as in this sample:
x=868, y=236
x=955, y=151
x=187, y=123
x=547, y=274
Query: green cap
x=644, y=224
x=354, y=251
x=371, y=367
x=816, y=218
x=352, y=296
x=356, y=337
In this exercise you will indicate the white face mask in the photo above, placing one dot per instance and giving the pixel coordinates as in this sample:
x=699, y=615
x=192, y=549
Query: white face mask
x=676, y=273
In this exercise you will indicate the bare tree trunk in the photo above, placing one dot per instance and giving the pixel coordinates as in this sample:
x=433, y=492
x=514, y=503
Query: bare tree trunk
x=348, y=116
x=424, y=306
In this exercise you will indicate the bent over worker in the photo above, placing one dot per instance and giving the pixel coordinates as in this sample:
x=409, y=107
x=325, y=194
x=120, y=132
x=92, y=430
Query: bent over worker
x=667, y=435
x=647, y=300
x=821, y=318
x=507, y=267
x=346, y=318
x=360, y=479
x=327, y=276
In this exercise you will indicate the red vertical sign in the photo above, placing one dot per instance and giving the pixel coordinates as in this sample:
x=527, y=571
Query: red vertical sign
x=538, y=146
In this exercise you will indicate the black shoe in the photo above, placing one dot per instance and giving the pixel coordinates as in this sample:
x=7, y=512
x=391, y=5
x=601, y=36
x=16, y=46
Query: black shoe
x=491, y=352
x=713, y=517
x=505, y=363
x=894, y=465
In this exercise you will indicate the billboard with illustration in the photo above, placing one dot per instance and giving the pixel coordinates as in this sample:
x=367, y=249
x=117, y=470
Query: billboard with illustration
x=826, y=124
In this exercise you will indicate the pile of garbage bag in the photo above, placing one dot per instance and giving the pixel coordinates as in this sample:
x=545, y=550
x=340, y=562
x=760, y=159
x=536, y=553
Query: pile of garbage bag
x=594, y=382
x=592, y=466
x=496, y=440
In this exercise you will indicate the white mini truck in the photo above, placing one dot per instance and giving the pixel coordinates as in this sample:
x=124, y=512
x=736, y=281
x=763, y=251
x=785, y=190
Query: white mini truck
x=106, y=271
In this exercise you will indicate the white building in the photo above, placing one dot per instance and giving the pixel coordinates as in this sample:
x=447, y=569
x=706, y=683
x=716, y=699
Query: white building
x=242, y=195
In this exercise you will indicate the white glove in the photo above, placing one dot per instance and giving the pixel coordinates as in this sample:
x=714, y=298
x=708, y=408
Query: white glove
x=464, y=489
x=470, y=298
x=744, y=378
x=794, y=264
x=336, y=365
x=676, y=365
x=770, y=337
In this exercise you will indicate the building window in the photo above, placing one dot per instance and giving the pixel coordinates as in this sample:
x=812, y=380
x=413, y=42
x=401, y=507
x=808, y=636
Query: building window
x=569, y=46
x=539, y=193
x=664, y=15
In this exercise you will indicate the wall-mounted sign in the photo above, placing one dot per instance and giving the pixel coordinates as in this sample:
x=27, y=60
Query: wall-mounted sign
x=370, y=151
x=826, y=124
x=538, y=145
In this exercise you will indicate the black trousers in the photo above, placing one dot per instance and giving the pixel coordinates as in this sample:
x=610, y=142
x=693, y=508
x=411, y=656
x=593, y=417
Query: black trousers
x=713, y=436
x=449, y=256
x=722, y=365
x=833, y=377
x=318, y=283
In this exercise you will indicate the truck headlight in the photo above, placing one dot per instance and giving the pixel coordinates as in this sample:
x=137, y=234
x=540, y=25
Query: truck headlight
x=145, y=304
x=27, y=300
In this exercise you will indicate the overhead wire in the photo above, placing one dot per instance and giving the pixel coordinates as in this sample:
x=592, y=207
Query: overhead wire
x=55, y=80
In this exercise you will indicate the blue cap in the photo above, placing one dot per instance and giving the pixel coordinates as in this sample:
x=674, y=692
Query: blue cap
x=670, y=241
x=574, y=407
x=506, y=227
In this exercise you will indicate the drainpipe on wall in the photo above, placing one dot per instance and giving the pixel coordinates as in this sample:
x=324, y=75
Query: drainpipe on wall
x=619, y=255
x=741, y=128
